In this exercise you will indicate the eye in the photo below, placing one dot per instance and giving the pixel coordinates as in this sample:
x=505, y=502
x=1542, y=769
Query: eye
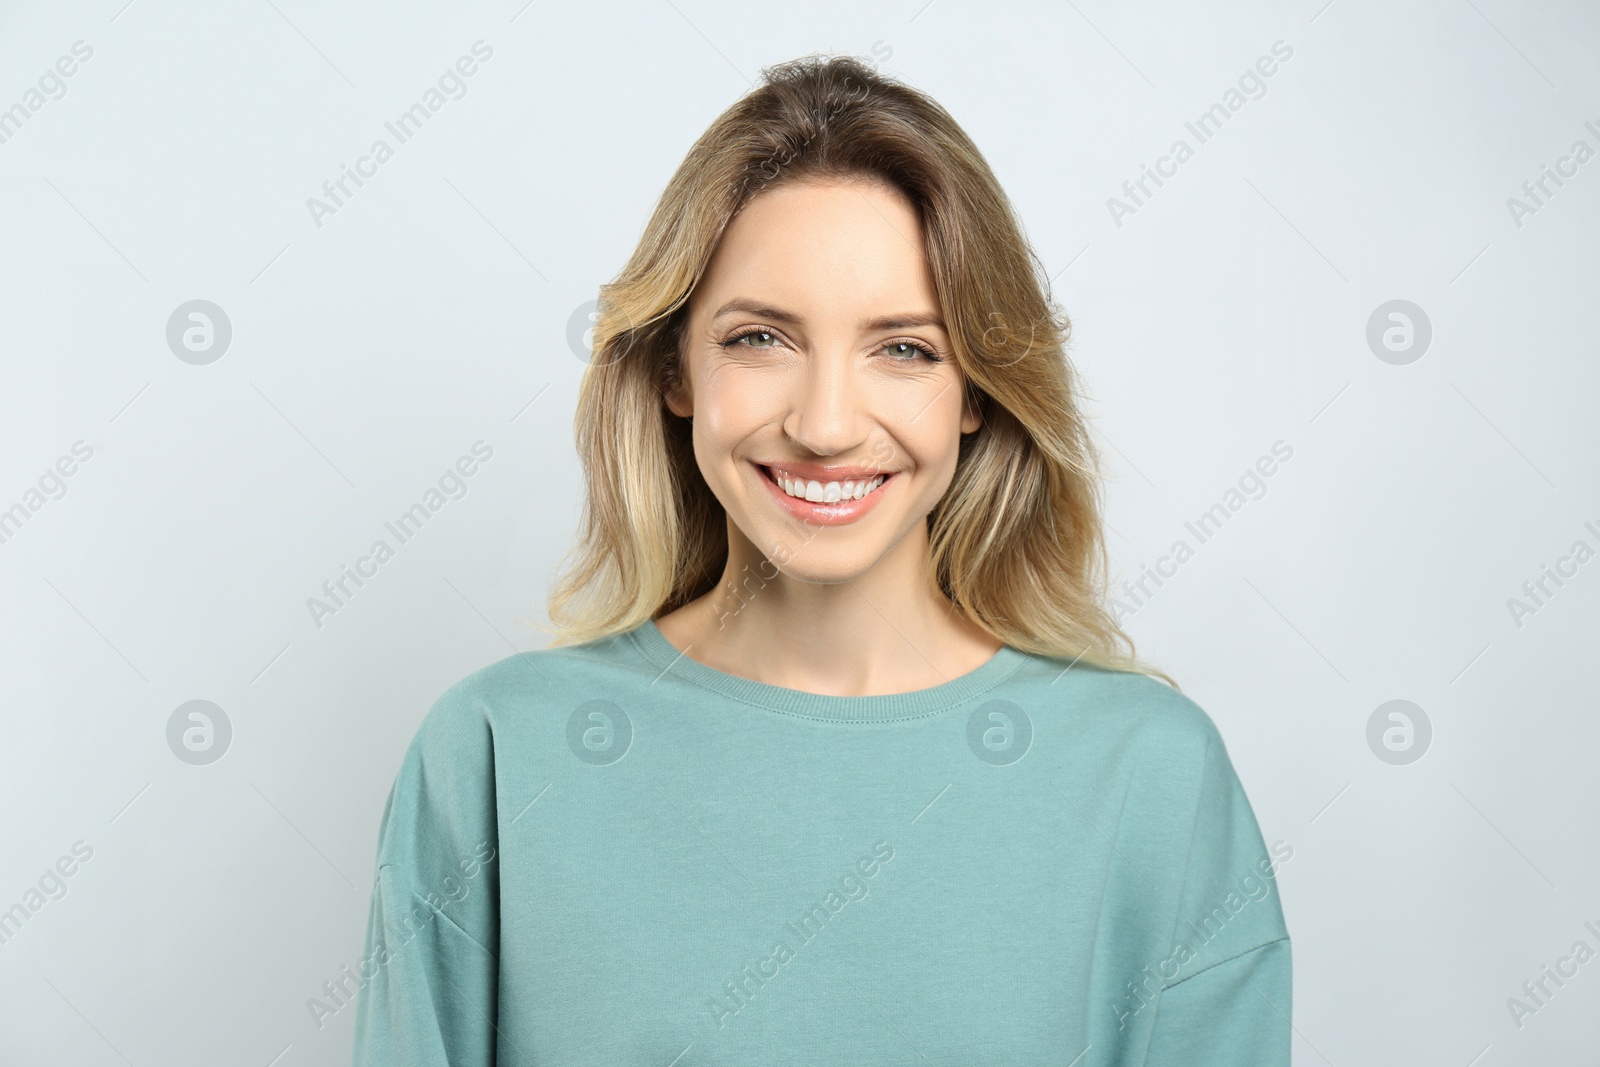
x=909, y=351
x=756, y=338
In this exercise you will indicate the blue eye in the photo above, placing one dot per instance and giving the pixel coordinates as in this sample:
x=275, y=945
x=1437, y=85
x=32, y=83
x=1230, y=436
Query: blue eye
x=910, y=351
x=752, y=339
x=899, y=351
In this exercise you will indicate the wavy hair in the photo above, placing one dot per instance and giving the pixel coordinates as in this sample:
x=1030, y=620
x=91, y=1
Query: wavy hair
x=1016, y=542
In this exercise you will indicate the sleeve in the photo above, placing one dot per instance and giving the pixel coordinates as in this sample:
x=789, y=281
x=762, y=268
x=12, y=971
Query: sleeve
x=1235, y=1014
x=429, y=971
x=1227, y=1000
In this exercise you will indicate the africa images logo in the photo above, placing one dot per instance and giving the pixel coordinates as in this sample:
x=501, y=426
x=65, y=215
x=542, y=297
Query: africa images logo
x=336, y=192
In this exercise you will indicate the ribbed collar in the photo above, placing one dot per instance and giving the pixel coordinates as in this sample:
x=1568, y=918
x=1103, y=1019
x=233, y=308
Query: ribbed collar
x=658, y=650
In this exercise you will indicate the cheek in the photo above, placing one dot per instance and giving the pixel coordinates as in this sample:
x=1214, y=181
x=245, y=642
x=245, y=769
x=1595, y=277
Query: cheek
x=725, y=417
x=931, y=434
x=732, y=408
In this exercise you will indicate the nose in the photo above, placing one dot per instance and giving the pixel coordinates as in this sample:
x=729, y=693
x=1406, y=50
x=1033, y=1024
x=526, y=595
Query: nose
x=825, y=404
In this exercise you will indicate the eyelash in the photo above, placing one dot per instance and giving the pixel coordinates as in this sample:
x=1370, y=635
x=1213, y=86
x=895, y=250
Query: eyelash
x=927, y=353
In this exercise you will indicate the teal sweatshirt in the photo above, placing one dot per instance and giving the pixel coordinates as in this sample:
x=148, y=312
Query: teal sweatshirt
x=612, y=854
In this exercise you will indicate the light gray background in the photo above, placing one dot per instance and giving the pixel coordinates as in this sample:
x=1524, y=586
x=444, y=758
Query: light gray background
x=432, y=310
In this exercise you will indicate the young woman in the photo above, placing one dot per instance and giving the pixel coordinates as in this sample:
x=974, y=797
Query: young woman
x=839, y=756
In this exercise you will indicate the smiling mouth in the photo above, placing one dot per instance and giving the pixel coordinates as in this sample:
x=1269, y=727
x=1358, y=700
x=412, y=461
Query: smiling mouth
x=816, y=492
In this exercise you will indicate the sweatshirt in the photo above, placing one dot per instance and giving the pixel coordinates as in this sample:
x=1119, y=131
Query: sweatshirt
x=612, y=854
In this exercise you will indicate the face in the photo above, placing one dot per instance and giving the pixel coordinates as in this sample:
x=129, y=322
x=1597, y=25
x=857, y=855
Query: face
x=827, y=402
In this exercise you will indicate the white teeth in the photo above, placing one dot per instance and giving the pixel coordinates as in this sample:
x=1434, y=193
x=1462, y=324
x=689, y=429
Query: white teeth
x=825, y=493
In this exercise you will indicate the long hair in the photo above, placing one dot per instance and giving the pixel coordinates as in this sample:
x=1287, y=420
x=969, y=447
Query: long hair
x=1016, y=542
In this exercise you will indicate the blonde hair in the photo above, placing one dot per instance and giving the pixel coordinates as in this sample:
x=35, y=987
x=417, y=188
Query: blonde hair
x=1016, y=542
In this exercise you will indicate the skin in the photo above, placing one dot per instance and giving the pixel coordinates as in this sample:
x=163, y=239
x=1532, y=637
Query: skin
x=849, y=610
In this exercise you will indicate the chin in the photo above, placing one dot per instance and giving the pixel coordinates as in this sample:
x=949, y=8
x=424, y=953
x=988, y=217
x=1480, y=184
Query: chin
x=848, y=559
x=825, y=576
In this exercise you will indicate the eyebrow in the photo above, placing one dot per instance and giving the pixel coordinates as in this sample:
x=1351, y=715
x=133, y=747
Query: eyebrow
x=789, y=318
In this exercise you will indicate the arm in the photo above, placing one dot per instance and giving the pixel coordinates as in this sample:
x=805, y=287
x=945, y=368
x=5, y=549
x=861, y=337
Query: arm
x=431, y=997
x=430, y=968
x=1233, y=1014
x=1227, y=1002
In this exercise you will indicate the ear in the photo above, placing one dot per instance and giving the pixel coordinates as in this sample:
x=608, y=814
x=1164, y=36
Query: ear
x=679, y=402
x=971, y=418
x=678, y=395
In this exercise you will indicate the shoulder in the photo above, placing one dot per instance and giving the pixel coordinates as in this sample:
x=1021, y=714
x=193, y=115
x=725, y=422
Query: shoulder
x=1130, y=711
x=1150, y=758
x=1150, y=765
x=503, y=697
x=443, y=799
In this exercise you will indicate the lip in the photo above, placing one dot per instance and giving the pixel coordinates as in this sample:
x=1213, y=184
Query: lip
x=814, y=472
x=839, y=514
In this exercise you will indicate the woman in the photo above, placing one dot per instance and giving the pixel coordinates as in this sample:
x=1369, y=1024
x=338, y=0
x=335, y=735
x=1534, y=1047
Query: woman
x=838, y=756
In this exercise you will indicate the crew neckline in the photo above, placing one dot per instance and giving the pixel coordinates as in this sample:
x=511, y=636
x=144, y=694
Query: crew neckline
x=879, y=708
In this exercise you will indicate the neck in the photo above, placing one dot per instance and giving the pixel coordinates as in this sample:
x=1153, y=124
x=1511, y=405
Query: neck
x=888, y=629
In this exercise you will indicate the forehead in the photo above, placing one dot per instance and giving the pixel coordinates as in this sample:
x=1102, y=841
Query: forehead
x=837, y=245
